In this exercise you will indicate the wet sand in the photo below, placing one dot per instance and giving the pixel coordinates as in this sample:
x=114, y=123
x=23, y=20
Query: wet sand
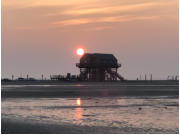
x=60, y=107
x=19, y=127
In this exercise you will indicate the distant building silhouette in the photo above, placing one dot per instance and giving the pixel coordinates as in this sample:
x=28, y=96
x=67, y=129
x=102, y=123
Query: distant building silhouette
x=98, y=67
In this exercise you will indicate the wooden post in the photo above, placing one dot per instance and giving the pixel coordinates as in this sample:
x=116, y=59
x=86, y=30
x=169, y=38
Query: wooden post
x=151, y=77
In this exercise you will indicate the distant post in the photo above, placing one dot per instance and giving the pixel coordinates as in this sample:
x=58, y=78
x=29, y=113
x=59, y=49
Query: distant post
x=145, y=77
x=42, y=76
x=176, y=78
x=151, y=77
x=27, y=77
x=12, y=77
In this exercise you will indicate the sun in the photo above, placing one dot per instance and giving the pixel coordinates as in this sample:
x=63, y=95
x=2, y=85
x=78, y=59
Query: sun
x=80, y=51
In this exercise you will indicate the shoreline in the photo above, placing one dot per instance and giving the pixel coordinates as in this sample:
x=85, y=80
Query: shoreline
x=51, y=89
x=56, y=82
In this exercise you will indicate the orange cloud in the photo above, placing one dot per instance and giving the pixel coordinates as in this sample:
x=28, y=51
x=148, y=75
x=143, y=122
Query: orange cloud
x=41, y=3
x=102, y=19
x=107, y=9
x=112, y=9
x=74, y=22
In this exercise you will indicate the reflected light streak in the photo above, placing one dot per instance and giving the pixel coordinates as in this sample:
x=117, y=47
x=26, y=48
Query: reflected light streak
x=78, y=114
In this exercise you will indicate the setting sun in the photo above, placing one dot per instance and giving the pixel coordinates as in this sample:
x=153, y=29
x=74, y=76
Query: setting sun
x=80, y=51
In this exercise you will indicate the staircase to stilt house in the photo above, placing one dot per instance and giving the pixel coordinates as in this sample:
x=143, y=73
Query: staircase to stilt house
x=115, y=74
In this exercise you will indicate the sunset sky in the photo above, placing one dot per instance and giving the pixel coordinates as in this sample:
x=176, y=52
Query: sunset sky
x=41, y=36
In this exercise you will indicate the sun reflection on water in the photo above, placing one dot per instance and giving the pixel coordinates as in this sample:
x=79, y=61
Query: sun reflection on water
x=78, y=114
x=78, y=102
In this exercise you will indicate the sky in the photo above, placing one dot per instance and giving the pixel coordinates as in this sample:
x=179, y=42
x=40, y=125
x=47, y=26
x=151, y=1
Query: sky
x=41, y=36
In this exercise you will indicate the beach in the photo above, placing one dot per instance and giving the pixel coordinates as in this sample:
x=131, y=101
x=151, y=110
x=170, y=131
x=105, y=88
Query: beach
x=90, y=107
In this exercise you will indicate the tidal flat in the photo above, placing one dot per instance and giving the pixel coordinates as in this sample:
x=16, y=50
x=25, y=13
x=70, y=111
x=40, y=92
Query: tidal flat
x=91, y=107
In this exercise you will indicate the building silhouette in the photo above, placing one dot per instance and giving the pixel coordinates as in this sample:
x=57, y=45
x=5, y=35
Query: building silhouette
x=99, y=67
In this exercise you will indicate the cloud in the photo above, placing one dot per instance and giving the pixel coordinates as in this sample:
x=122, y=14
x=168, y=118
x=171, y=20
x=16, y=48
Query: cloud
x=107, y=9
x=112, y=9
x=42, y=3
x=43, y=13
x=112, y=19
x=73, y=22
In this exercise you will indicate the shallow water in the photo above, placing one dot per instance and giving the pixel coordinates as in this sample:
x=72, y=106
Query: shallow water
x=152, y=114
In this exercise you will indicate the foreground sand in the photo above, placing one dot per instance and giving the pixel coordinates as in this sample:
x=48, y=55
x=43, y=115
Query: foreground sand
x=24, y=127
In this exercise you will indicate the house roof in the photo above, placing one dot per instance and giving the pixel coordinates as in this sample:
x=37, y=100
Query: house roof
x=98, y=60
